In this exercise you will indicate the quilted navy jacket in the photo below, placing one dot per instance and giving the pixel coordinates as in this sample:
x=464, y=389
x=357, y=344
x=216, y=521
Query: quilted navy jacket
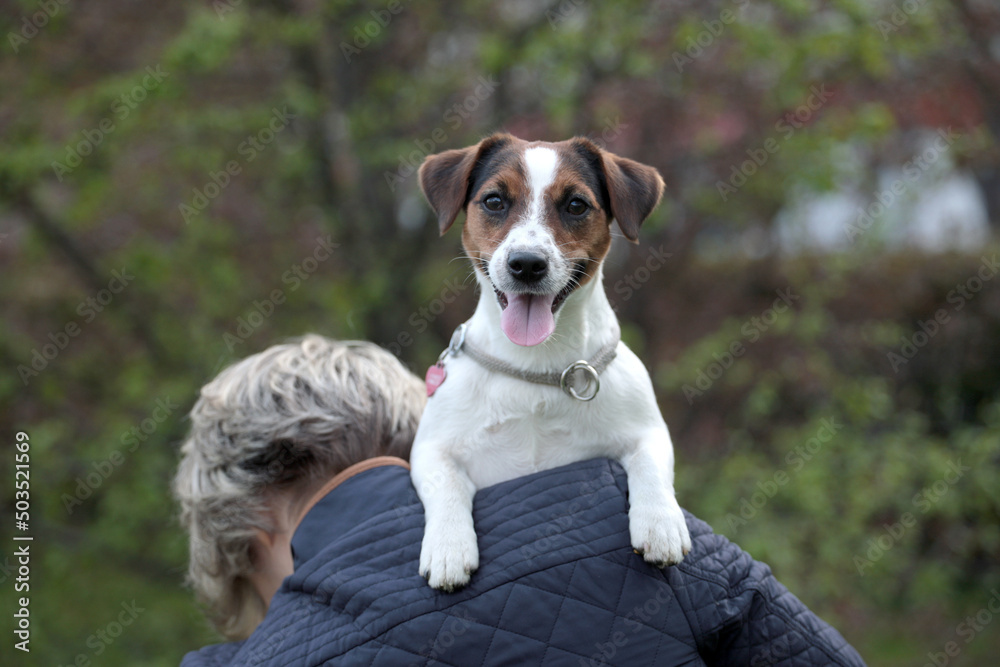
x=558, y=584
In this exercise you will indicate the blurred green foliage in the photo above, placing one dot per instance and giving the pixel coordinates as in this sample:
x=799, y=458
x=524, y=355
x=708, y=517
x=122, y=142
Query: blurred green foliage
x=367, y=94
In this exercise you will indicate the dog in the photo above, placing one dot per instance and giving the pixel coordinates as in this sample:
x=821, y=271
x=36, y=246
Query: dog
x=538, y=377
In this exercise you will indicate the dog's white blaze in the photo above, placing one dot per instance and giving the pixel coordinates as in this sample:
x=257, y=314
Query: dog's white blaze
x=541, y=163
x=530, y=232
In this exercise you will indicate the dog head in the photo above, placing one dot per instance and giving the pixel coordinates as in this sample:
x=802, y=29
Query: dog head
x=538, y=218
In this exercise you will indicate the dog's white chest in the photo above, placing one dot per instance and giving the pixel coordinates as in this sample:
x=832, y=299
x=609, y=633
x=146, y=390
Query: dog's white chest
x=504, y=428
x=519, y=444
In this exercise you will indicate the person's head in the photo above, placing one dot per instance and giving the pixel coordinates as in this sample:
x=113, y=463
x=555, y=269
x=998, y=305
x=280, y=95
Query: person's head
x=266, y=435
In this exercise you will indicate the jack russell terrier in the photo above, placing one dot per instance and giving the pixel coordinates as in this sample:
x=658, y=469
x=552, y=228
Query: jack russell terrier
x=538, y=377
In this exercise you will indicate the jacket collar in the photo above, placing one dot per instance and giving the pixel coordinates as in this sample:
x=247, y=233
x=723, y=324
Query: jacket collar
x=357, y=494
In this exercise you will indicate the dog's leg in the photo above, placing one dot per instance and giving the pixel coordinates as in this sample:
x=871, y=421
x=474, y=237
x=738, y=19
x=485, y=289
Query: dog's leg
x=656, y=523
x=449, y=553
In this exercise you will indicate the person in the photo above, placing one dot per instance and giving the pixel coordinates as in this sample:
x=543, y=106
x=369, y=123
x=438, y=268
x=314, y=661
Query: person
x=305, y=536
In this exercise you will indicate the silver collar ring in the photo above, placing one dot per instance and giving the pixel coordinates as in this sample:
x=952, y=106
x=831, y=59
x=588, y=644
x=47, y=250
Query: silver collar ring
x=592, y=380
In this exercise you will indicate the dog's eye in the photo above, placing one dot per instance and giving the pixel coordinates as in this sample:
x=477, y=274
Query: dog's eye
x=493, y=203
x=576, y=206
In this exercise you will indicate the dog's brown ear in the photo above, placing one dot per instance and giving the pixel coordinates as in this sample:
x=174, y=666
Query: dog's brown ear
x=633, y=189
x=445, y=177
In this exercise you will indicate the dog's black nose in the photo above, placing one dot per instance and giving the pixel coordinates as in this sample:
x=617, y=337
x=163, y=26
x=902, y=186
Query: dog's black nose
x=527, y=266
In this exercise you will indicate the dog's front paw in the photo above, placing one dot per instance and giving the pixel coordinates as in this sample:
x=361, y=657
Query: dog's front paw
x=449, y=556
x=659, y=533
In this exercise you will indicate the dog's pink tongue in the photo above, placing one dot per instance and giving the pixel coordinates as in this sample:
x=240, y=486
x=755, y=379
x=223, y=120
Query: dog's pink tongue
x=527, y=319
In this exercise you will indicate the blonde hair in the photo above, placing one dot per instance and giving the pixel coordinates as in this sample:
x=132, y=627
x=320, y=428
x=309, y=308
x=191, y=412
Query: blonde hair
x=286, y=417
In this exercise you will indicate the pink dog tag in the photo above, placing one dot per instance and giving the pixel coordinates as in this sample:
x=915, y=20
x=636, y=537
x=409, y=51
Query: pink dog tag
x=434, y=378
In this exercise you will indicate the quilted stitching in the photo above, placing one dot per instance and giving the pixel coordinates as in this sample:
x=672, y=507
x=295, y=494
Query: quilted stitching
x=493, y=630
x=558, y=584
x=559, y=611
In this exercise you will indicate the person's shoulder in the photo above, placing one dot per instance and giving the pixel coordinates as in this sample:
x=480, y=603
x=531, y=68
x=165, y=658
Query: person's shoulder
x=722, y=587
x=716, y=560
x=581, y=511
